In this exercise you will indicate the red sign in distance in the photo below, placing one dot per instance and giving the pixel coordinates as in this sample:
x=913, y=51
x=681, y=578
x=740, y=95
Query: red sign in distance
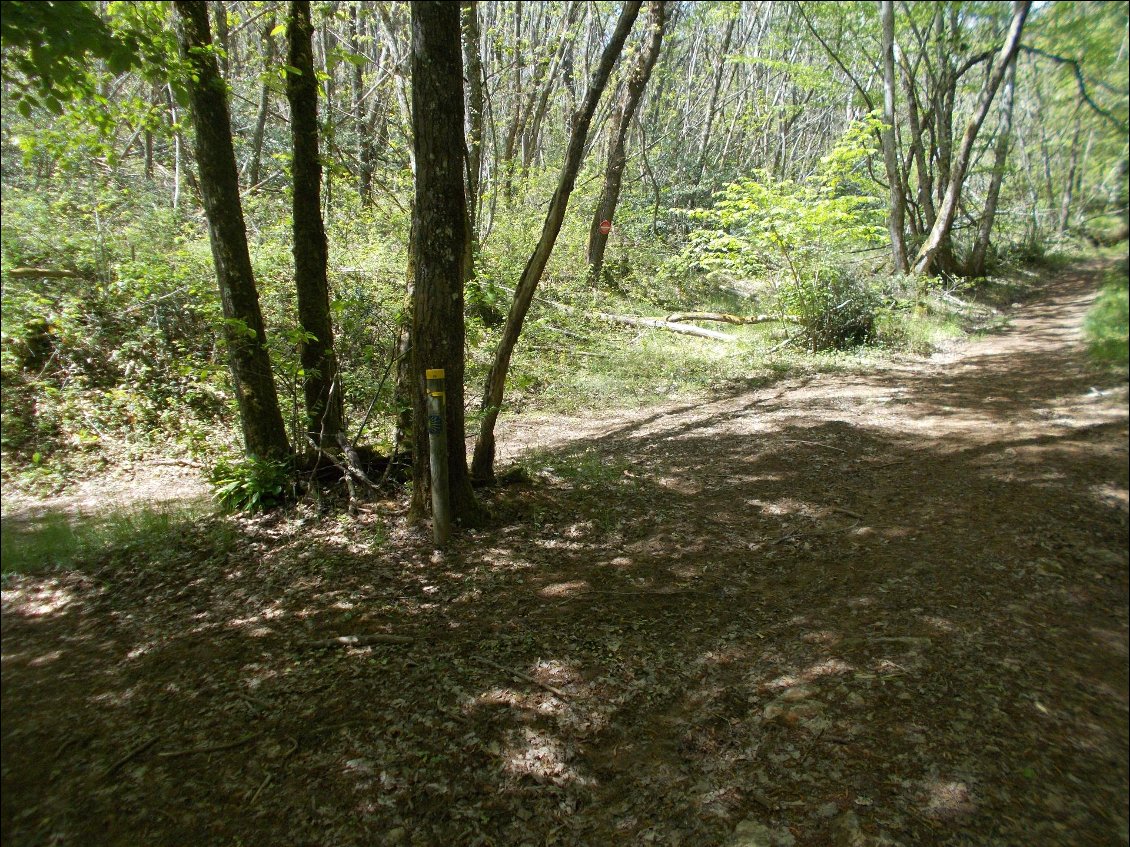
x=605, y=227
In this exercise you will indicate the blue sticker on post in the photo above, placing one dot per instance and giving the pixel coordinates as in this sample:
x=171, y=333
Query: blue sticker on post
x=435, y=424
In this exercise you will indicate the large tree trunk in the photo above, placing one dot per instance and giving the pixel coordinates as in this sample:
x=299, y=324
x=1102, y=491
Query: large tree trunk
x=940, y=233
x=896, y=219
x=365, y=164
x=482, y=467
x=320, y=386
x=1000, y=160
x=263, y=431
x=439, y=245
x=614, y=170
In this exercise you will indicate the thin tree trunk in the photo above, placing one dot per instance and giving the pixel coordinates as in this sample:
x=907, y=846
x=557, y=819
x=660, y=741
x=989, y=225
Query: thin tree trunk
x=264, y=433
x=321, y=389
x=1069, y=187
x=482, y=467
x=614, y=170
x=704, y=145
x=948, y=210
x=440, y=224
x=255, y=171
x=365, y=166
x=473, y=63
x=896, y=220
x=1000, y=160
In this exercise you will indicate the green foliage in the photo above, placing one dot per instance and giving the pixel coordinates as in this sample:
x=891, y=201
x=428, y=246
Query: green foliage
x=835, y=310
x=121, y=348
x=251, y=484
x=753, y=220
x=66, y=541
x=1107, y=328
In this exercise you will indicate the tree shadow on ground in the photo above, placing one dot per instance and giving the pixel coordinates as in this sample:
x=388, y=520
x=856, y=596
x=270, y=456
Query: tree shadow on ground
x=890, y=607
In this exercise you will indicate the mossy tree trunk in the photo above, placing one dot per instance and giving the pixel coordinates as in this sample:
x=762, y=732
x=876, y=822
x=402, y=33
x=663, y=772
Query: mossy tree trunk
x=320, y=385
x=264, y=433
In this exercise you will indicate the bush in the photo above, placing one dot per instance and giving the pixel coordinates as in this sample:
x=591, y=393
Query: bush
x=1107, y=327
x=836, y=308
x=251, y=484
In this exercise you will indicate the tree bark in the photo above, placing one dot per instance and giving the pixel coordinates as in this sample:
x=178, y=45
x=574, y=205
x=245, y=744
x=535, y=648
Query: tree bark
x=1000, y=160
x=320, y=387
x=896, y=220
x=482, y=467
x=948, y=209
x=473, y=64
x=439, y=246
x=255, y=171
x=614, y=170
x=264, y=434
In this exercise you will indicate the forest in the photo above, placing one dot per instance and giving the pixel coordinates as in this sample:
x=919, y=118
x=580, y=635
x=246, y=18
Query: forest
x=580, y=422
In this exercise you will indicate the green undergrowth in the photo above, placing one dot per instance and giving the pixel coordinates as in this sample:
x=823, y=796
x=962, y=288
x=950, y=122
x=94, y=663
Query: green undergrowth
x=1107, y=328
x=58, y=541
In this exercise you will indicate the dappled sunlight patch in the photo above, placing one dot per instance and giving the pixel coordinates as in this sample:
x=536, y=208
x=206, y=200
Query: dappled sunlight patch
x=826, y=637
x=38, y=599
x=1111, y=495
x=940, y=624
x=949, y=799
x=113, y=699
x=45, y=659
x=564, y=589
x=727, y=655
x=541, y=757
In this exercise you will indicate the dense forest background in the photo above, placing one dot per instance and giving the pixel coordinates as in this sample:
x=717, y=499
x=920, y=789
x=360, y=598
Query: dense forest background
x=820, y=175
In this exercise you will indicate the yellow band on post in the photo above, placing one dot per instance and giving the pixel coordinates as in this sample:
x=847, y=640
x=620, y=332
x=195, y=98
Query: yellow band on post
x=434, y=373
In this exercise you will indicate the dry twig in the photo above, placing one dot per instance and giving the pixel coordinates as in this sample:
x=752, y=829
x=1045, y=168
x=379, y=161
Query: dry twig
x=520, y=675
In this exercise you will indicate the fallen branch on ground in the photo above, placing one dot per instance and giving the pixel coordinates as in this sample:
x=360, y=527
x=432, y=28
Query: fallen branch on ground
x=659, y=323
x=360, y=640
x=42, y=273
x=722, y=317
x=211, y=748
x=136, y=750
x=520, y=675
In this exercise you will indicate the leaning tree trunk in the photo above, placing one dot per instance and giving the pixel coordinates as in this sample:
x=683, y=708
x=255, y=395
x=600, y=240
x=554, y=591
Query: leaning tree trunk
x=439, y=246
x=896, y=222
x=1000, y=160
x=320, y=387
x=264, y=433
x=947, y=211
x=482, y=466
x=614, y=170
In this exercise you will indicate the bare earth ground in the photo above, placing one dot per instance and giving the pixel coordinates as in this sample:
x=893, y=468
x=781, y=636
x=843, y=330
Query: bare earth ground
x=875, y=610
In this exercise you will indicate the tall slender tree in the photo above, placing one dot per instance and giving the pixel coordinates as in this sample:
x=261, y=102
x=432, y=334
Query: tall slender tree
x=621, y=124
x=959, y=164
x=264, y=433
x=482, y=466
x=321, y=389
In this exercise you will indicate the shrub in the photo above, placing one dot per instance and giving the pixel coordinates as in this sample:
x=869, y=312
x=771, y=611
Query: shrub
x=251, y=484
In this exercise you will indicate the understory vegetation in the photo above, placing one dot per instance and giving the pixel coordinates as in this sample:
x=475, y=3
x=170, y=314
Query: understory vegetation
x=117, y=357
x=750, y=207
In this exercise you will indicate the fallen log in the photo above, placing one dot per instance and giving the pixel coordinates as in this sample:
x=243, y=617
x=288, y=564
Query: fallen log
x=672, y=326
x=682, y=317
x=42, y=273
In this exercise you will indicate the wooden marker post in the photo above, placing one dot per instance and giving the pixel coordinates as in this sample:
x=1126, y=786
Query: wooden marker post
x=437, y=456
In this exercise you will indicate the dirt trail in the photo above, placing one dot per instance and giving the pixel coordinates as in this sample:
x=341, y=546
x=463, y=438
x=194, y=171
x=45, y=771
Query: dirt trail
x=865, y=610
